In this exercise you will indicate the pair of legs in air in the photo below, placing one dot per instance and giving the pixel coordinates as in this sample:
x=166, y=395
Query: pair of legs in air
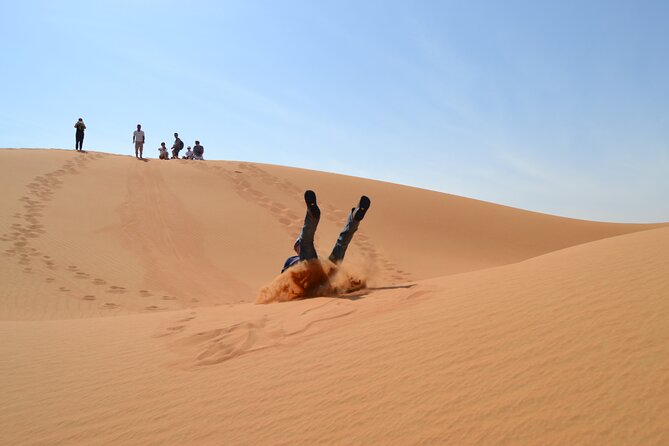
x=304, y=246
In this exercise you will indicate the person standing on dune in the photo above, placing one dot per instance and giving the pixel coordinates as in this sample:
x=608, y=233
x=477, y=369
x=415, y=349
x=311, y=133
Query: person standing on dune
x=177, y=146
x=138, y=138
x=79, y=135
x=304, y=245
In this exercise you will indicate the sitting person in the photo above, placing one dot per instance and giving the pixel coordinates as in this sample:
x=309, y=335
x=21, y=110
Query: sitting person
x=304, y=245
x=198, y=151
x=189, y=154
x=163, y=151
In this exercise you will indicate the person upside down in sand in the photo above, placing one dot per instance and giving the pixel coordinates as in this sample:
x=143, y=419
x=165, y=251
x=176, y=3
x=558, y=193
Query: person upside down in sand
x=304, y=245
x=304, y=275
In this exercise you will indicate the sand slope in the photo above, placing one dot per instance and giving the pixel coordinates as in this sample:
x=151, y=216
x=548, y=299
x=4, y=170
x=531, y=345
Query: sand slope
x=95, y=234
x=482, y=324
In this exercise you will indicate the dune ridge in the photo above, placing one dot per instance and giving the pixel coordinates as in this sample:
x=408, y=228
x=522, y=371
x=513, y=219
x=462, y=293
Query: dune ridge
x=127, y=313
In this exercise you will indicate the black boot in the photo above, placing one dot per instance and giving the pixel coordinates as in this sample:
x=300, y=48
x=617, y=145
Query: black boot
x=312, y=205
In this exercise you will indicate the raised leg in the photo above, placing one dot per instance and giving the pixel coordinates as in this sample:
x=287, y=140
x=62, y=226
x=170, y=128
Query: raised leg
x=311, y=219
x=346, y=235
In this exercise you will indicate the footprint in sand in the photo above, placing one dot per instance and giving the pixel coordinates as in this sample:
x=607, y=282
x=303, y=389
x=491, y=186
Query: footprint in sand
x=218, y=345
x=145, y=293
x=63, y=289
x=88, y=297
x=110, y=306
x=170, y=331
x=169, y=298
x=99, y=282
x=153, y=308
x=116, y=289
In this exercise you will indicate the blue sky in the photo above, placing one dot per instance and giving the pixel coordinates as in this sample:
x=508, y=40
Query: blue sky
x=557, y=107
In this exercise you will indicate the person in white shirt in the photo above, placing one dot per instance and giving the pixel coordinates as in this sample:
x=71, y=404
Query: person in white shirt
x=163, y=151
x=138, y=138
x=189, y=154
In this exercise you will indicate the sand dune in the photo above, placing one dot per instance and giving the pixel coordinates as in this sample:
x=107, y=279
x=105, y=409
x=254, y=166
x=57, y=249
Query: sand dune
x=99, y=234
x=127, y=314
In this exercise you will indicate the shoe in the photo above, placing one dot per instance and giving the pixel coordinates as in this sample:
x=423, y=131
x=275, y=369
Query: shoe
x=363, y=206
x=312, y=205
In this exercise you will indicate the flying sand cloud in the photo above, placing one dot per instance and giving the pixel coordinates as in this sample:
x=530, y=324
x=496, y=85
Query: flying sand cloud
x=311, y=279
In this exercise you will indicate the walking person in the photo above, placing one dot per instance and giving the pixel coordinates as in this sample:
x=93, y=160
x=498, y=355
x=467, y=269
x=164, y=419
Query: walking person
x=138, y=138
x=79, y=135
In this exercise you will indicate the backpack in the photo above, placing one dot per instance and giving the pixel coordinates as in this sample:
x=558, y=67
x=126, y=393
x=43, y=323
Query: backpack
x=180, y=145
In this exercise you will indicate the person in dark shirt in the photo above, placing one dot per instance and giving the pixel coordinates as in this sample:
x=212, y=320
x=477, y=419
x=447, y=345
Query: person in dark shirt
x=198, y=151
x=304, y=245
x=79, y=135
x=177, y=146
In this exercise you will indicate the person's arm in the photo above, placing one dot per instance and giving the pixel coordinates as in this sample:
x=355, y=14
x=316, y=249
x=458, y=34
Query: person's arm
x=133, y=136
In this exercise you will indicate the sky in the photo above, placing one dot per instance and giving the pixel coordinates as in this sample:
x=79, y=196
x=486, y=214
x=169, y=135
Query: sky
x=559, y=107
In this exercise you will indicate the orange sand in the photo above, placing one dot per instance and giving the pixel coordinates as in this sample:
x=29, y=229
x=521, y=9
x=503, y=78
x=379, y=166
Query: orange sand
x=127, y=313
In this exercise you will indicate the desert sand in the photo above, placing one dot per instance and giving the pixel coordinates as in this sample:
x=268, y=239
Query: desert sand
x=128, y=313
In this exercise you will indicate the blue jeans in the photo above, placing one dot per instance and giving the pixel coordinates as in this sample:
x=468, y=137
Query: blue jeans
x=307, y=249
x=344, y=239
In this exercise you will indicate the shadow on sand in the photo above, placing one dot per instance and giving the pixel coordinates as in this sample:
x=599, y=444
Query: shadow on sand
x=361, y=294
